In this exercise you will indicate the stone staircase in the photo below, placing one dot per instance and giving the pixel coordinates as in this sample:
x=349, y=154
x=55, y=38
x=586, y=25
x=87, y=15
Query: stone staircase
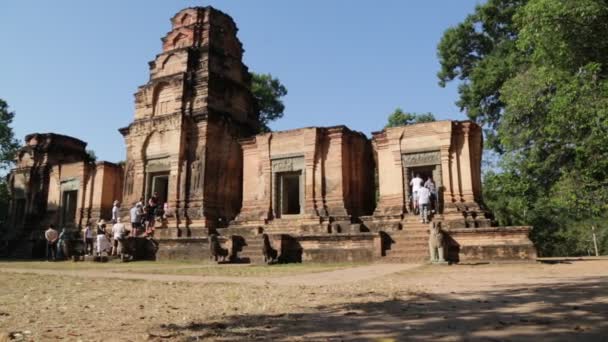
x=411, y=244
x=251, y=251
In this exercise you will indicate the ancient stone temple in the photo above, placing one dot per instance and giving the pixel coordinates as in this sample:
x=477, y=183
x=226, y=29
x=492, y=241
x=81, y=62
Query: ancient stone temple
x=447, y=151
x=183, y=143
x=309, y=194
x=306, y=176
x=55, y=182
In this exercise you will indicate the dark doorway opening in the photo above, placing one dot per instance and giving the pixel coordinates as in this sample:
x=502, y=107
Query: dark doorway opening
x=159, y=184
x=426, y=172
x=289, y=193
x=68, y=210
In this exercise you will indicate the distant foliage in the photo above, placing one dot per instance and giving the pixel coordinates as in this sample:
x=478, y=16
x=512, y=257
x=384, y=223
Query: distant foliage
x=8, y=149
x=8, y=143
x=268, y=92
x=401, y=118
x=535, y=74
x=91, y=155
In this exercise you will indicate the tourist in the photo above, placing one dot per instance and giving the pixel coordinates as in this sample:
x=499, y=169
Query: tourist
x=429, y=184
x=102, y=240
x=416, y=184
x=88, y=239
x=118, y=234
x=166, y=211
x=424, y=199
x=135, y=213
x=61, y=242
x=151, y=213
x=115, y=211
x=51, y=236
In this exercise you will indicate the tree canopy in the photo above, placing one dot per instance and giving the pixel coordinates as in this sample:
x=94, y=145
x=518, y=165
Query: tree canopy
x=268, y=91
x=401, y=118
x=534, y=74
x=8, y=148
x=8, y=143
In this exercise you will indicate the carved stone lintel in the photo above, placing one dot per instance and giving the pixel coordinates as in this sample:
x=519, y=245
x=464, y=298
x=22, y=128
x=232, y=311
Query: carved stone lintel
x=287, y=164
x=421, y=158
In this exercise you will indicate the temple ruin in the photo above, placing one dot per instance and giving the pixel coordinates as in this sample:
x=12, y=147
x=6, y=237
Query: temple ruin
x=311, y=194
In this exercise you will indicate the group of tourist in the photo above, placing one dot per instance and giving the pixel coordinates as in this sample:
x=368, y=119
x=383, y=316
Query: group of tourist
x=98, y=240
x=424, y=196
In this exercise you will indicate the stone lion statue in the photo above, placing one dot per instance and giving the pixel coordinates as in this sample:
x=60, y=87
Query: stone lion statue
x=215, y=248
x=436, y=243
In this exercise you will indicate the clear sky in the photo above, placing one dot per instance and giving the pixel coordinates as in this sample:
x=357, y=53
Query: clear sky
x=72, y=67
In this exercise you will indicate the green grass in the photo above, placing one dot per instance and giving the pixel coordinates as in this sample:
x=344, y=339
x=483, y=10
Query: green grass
x=241, y=270
x=184, y=267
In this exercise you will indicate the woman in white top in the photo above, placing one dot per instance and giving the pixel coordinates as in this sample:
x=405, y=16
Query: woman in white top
x=103, y=245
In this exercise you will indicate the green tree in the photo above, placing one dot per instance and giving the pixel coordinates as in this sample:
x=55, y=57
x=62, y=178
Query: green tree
x=401, y=118
x=481, y=53
x=8, y=143
x=91, y=155
x=547, y=113
x=268, y=91
x=8, y=148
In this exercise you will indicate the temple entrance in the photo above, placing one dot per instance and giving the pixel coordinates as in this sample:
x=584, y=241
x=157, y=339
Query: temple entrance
x=289, y=193
x=159, y=184
x=425, y=164
x=425, y=172
x=68, y=207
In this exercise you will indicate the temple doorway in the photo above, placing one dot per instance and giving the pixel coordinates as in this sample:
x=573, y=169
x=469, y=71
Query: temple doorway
x=159, y=184
x=425, y=172
x=68, y=207
x=289, y=193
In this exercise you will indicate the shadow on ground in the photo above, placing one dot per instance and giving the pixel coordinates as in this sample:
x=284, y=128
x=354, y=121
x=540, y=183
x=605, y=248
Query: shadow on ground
x=554, y=312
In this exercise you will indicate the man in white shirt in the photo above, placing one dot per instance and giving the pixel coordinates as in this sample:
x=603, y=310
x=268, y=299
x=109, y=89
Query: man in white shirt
x=51, y=235
x=416, y=184
x=424, y=200
x=115, y=211
x=136, y=213
x=118, y=233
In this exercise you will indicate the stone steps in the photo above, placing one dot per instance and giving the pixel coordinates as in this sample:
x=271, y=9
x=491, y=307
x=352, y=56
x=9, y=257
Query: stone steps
x=252, y=252
x=409, y=244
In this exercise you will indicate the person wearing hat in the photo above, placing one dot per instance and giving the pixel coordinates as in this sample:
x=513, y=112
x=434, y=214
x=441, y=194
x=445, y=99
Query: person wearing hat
x=102, y=240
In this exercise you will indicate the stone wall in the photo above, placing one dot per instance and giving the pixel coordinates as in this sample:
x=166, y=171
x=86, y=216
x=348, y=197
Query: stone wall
x=335, y=169
x=54, y=182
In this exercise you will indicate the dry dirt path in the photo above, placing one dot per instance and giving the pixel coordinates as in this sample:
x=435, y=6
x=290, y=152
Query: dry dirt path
x=334, y=277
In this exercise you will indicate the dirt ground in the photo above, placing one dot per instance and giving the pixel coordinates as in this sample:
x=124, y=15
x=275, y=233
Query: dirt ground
x=556, y=301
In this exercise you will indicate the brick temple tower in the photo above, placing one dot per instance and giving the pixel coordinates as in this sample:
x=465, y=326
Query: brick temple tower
x=183, y=143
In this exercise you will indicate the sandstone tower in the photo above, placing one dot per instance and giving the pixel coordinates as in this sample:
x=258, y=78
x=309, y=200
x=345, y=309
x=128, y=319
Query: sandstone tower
x=183, y=143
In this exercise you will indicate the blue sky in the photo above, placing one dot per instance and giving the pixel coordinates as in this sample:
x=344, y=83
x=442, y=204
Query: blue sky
x=72, y=67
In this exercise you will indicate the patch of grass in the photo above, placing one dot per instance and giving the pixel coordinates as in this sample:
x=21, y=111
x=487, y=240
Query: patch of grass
x=240, y=270
x=88, y=265
x=183, y=267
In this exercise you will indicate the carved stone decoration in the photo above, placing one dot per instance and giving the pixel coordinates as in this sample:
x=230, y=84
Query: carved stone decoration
x=421, y=158
x=197, y=174
x=436, y=244
x=287, y=164
x=129, y=178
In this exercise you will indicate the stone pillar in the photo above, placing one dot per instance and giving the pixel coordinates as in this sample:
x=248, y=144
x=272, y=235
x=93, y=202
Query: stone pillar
x=446, y=167
x=465, y=167
x=310, y=147
x=335, y=174
x=390, y=176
